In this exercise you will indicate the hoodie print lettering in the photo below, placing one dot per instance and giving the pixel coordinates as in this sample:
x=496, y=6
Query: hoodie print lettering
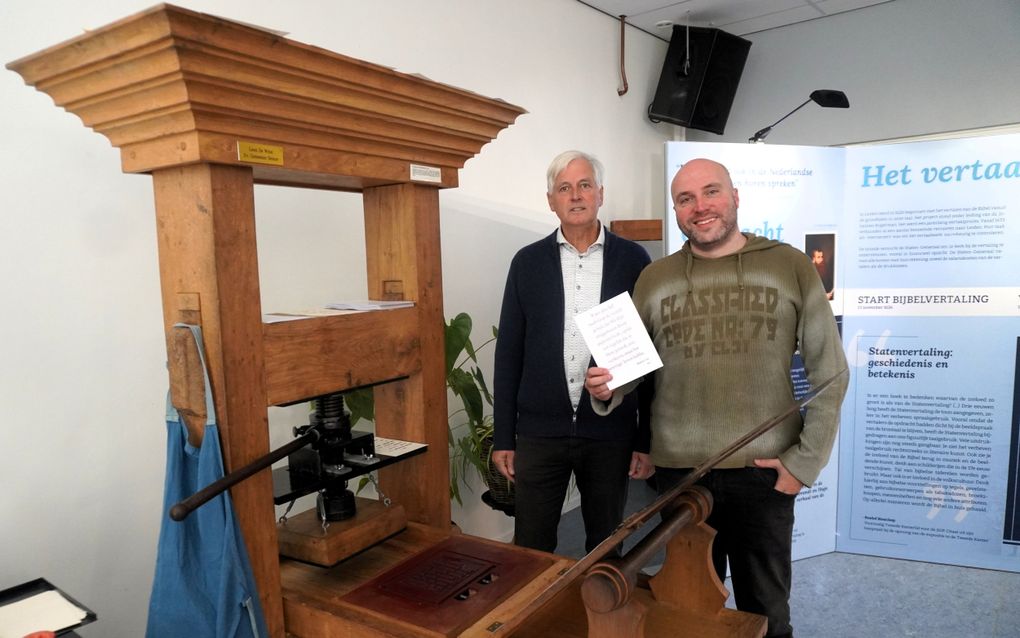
x=721, y=321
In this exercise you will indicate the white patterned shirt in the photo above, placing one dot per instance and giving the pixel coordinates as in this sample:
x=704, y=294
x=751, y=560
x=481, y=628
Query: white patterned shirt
x=582, y=290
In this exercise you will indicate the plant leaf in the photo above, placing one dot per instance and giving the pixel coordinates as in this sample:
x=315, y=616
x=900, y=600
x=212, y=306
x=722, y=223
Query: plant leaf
x=362, y=482
x=463, y=386
x=361, y=404
x=480, y=379
x=457, y=333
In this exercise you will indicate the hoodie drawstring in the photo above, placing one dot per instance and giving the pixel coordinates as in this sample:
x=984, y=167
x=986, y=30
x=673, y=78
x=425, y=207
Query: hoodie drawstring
x=687, y=273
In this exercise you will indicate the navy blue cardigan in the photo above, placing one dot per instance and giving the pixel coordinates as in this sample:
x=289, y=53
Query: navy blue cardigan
x=529, y=387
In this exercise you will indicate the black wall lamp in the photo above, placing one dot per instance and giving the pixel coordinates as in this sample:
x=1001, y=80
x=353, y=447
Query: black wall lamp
x=826, y=98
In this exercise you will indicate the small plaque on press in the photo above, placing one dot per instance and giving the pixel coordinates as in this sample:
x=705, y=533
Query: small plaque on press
x=421, y=173
x=256, y=153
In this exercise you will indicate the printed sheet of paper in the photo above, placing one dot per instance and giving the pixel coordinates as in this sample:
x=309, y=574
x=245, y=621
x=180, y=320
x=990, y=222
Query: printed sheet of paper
x=618, y=340
x=395, y=447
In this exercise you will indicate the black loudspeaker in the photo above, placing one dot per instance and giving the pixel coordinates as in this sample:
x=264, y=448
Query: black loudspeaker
x=697, y=92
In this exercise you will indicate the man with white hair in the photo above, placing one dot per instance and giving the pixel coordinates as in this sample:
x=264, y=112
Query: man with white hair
x=545, y=428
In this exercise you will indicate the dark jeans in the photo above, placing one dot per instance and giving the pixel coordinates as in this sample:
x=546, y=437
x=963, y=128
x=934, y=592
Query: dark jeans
x=754, y=525
x=542, y=469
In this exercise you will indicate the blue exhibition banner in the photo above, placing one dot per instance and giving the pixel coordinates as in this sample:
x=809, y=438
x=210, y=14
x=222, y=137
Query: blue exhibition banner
x=915, y=238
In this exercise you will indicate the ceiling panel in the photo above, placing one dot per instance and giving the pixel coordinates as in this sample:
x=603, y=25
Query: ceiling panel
x=739, y=17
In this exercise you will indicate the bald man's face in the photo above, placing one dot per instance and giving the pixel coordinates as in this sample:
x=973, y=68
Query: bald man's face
x=706, y=204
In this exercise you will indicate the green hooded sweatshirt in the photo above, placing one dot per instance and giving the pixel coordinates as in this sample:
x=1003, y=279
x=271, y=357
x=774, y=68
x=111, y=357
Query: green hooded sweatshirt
x=726, y=330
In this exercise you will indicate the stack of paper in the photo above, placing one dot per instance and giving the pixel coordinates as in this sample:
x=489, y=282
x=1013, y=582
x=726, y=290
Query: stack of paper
x=46, y=611
x=370, y=305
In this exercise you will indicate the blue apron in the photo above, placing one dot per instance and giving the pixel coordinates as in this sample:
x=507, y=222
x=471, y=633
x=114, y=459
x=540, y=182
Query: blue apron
x=203, y=585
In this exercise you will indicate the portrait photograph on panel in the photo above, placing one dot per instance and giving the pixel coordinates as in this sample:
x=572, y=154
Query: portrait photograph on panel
x=821, y=248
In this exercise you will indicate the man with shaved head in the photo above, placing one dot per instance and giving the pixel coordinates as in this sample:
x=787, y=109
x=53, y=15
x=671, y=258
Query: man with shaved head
x=727, y=313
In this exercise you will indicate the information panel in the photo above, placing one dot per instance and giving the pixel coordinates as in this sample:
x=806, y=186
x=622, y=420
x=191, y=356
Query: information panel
x=932, y=317
x=915, y=240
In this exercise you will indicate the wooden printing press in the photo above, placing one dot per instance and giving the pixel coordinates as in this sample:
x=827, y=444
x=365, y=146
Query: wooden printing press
x=209, y=107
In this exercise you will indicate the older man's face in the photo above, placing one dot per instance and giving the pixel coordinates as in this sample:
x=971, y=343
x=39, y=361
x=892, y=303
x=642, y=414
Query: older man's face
x=576, y=197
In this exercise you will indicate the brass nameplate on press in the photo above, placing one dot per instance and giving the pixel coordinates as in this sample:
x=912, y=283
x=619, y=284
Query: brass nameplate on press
x=256, y=153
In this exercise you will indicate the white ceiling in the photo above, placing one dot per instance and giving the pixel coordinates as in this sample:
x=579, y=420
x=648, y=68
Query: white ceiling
x=739, y=17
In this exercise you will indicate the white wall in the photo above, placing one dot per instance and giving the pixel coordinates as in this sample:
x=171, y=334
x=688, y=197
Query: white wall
x=909, y=67
x=82, y=373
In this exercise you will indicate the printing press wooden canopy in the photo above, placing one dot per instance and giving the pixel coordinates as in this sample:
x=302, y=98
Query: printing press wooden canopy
x=171, y=87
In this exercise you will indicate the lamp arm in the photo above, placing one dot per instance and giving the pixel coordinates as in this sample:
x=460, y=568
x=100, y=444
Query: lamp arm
x=760, y=135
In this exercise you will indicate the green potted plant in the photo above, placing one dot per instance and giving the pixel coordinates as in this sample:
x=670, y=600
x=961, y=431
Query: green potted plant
x=471, y=429
x=470, y=426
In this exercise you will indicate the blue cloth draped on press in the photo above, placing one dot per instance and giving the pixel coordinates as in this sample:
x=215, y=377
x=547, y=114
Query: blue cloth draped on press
x=203, y=584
